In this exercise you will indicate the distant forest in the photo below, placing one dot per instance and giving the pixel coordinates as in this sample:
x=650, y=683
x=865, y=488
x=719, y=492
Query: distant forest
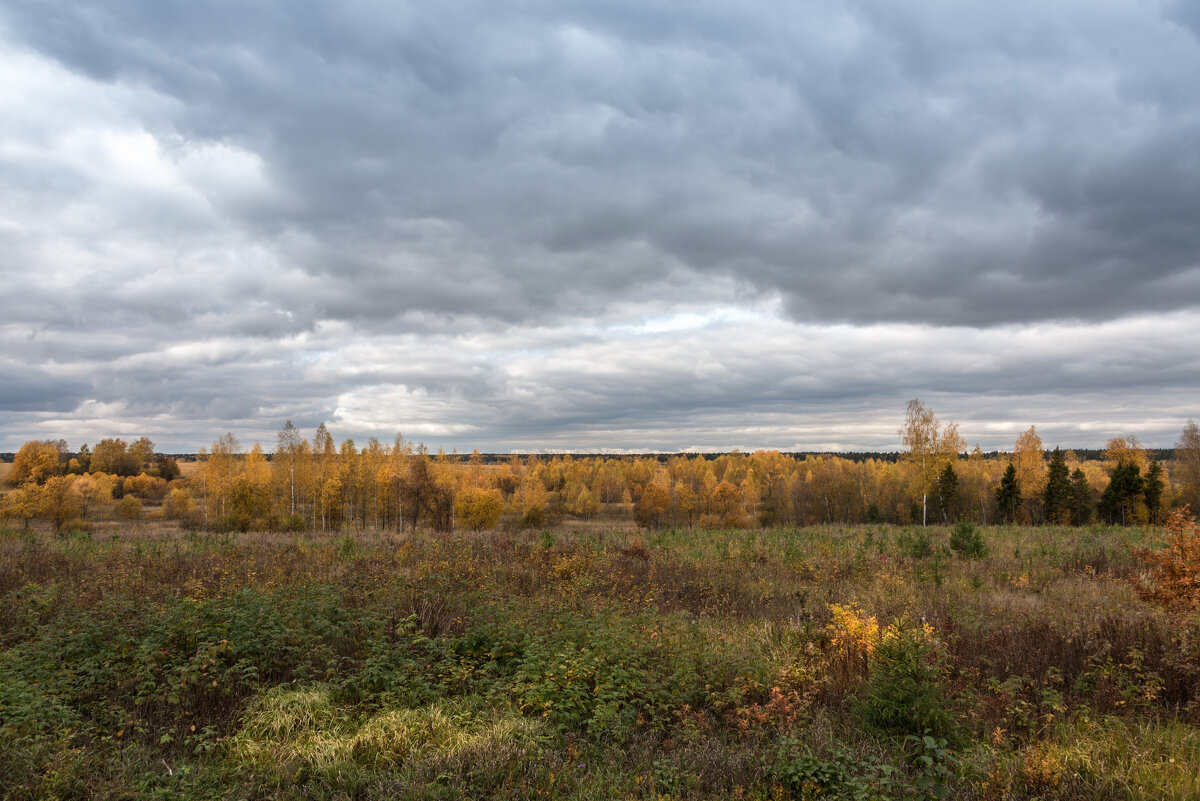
x=316, y=484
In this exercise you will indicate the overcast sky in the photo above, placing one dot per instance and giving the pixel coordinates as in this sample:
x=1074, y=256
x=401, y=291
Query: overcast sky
x=599, y=225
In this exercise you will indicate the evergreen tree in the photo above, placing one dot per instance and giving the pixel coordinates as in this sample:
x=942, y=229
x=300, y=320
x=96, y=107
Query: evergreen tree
x=1152, y=490
x=1057, y=495
x=1083, y=502
x=1008, y=495
x=947, y=484
x=1120, y=496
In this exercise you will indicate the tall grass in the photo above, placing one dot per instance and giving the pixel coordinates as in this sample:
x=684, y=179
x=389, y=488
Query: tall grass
x=591, y=663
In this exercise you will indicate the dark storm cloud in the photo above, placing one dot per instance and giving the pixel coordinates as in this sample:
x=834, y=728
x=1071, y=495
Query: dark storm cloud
x=216, y=212
x=962, y=165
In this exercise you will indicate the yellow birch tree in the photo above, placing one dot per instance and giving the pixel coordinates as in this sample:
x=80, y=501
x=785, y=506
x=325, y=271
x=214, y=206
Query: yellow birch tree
x=928, y=448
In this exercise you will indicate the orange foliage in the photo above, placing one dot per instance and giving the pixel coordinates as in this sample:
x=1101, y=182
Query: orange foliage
x=1175, y=579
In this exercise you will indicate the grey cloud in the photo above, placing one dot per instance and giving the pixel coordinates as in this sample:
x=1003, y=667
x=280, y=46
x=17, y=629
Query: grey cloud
x=743, y=383
x=752, y=143
x=26, y=388
x=292, y=179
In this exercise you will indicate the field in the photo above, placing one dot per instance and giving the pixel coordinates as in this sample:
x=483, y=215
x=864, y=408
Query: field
x=590, y=662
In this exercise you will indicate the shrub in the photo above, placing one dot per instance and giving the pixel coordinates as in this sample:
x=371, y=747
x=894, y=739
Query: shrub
x=534, y=517
x=838, y=774
x=1175, y=570
x=902, y=695
x=967, y=541
x=291, y=523
x=78, y=524
x=637, y=550
x=933, y=765
x=916, y=545
x=129, y=508
x=179, y=503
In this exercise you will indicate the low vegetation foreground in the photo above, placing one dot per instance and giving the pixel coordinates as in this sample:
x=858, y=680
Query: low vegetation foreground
x=864, y=662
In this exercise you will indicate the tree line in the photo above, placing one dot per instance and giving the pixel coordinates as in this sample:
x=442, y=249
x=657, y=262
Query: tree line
x=316, y=484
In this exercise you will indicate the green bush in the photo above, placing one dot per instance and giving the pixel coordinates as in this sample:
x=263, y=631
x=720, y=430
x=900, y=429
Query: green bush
x=933, y=765
x=838, y=774
x=916, y=544
x=967, y=541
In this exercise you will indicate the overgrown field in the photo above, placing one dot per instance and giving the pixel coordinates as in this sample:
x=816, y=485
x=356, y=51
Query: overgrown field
x=864, y=662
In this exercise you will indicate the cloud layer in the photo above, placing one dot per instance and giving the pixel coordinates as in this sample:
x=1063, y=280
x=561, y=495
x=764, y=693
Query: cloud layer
x=584, y=225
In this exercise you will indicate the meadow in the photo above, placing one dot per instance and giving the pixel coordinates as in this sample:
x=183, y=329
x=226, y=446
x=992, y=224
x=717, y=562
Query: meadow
x=868, y=662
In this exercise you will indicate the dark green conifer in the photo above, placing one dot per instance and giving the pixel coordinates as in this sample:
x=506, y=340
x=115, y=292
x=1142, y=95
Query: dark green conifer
x=1008, y=495
x=1120, y=497
x=1153, y=490
x=1083, y=501
x=947, y=484
x=1057, y=496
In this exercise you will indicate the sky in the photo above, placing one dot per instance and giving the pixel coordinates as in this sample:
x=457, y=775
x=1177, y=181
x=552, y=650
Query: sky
x=572, y=225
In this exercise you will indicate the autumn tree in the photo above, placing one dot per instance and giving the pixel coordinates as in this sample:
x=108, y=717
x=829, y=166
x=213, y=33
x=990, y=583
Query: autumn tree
x=422, y=496
x=349, y=472
x=1030, y=462
x=57, y=501
x=928, y=447
x=652, y=507
x=250, y=493
x=726, y=504
x=112, y=456
x=285, y=460
x=529, y=501
x=141, y=454
x=1187, y=465
x=82, y=461
x=376, y=477
x=685, y=502
x=324, y=457
x=219, y=471
x=21, y=504
x=977, y=483
x=93, y=489
x=36, y=462
x=610, y=482
x=1126, y=450
x=179, y=504
x=478, y=508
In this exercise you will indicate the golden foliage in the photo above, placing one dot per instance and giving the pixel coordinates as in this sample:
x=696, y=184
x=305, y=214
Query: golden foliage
x=35, y=462
x=1030, y=460
x=478, y=508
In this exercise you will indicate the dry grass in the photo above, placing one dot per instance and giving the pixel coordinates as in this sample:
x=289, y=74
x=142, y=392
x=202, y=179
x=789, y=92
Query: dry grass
x=189, y=468
x=729, y=640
